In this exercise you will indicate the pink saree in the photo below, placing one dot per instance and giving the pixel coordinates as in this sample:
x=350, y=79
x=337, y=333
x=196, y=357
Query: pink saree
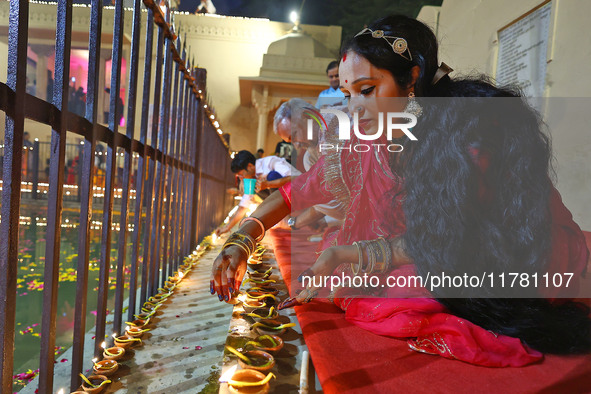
x=368, y=192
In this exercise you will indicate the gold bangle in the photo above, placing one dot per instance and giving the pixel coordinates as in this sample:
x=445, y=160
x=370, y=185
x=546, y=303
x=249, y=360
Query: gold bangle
x=239, y=245
x=363, y=244
x=246, y=237
x=360, y=263
x=242, y=238
x=373, y=257
x=383, y=264
x=388, y=250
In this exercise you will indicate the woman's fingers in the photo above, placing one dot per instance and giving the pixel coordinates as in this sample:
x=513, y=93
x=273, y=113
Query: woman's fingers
x=227, y=272
x=303, y=297
x=235, y=272
x=288, y=303
x=307, y=273
x=218, y=275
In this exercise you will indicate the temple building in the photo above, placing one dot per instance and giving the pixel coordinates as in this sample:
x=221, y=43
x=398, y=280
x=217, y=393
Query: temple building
x=180, y=259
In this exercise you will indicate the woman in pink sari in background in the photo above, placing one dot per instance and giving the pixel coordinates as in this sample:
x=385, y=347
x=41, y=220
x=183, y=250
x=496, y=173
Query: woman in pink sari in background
x=473, y=194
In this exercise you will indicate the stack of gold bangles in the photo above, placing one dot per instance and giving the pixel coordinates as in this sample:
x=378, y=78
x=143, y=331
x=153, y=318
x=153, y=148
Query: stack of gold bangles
x=379, y=256
x=243, y=240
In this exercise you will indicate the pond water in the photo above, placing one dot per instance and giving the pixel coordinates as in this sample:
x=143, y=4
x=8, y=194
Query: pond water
x=30, y=280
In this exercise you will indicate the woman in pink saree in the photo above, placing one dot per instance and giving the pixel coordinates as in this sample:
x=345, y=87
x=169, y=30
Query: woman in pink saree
x=472, y=195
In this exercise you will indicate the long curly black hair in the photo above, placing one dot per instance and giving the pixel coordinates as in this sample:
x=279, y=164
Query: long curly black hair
x=452, y=227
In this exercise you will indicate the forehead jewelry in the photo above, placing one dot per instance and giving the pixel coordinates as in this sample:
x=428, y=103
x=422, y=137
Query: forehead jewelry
x=399, y=45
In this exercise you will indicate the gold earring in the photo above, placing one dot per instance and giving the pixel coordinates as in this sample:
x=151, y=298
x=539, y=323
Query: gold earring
x=412, y=106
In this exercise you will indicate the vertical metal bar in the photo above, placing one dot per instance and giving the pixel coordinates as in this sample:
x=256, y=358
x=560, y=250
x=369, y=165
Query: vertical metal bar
x=141, y=174
x=192, y=154
x=191, y=196
x=114, y=116
x=35, y=179
x=127, y=163
x=56, y=181
x=79, y=170
x=180, y=171
x=167, y=262
x=193, y=131
x=197, y=163
x=18, y=26
x=149, y=260
x=189, y=130
x=203, y=133
x=163, y=131
x=86, y=191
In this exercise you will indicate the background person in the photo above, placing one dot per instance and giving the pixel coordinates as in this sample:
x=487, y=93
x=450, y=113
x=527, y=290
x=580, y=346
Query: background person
x=290, y=123
x=332, y=95
x=270, y=172
x=486, y=201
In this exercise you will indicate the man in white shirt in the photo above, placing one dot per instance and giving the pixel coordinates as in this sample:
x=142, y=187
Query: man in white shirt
x=271, y=172
x=333, y=95
x=290, y=124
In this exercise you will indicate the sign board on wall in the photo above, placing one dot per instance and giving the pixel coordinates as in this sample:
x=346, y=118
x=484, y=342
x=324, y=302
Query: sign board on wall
x=523, y=48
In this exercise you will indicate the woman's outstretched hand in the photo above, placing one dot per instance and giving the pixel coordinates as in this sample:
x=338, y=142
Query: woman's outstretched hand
x=227, y=272
x=328, y=261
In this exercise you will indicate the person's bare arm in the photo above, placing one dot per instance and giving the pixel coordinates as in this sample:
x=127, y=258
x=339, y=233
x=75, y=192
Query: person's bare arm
x=239, y=214
x=274, y=184
x=308, y=217
x=230, y=266
x=332, y=257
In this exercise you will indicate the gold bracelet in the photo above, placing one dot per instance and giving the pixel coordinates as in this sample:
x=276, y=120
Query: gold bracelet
x=360, y=263
x=385, y=252
x=243, y=247
x=363, y=244
x=371, y=254
x=242, y=238
x=247, y=237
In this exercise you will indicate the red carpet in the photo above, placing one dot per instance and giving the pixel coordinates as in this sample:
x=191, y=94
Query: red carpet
x=349, y=359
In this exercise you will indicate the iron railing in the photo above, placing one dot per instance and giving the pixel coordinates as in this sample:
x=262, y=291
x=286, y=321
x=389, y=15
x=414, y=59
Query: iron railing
x=180, y=178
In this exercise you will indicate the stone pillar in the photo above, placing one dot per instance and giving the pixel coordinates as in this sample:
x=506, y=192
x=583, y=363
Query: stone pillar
x=102, y=97
x=42, y=51
x=261, y=102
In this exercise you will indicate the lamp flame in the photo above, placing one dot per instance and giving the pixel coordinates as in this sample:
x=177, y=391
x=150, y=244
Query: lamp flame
x=104, y=345
x=228, y=374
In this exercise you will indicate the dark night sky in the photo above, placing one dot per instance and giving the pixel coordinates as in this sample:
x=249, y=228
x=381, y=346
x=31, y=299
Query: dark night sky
x=277, y=10
x=351, y=15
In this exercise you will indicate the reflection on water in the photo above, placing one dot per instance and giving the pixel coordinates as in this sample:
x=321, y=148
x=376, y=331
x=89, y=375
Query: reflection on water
x=30, y=284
